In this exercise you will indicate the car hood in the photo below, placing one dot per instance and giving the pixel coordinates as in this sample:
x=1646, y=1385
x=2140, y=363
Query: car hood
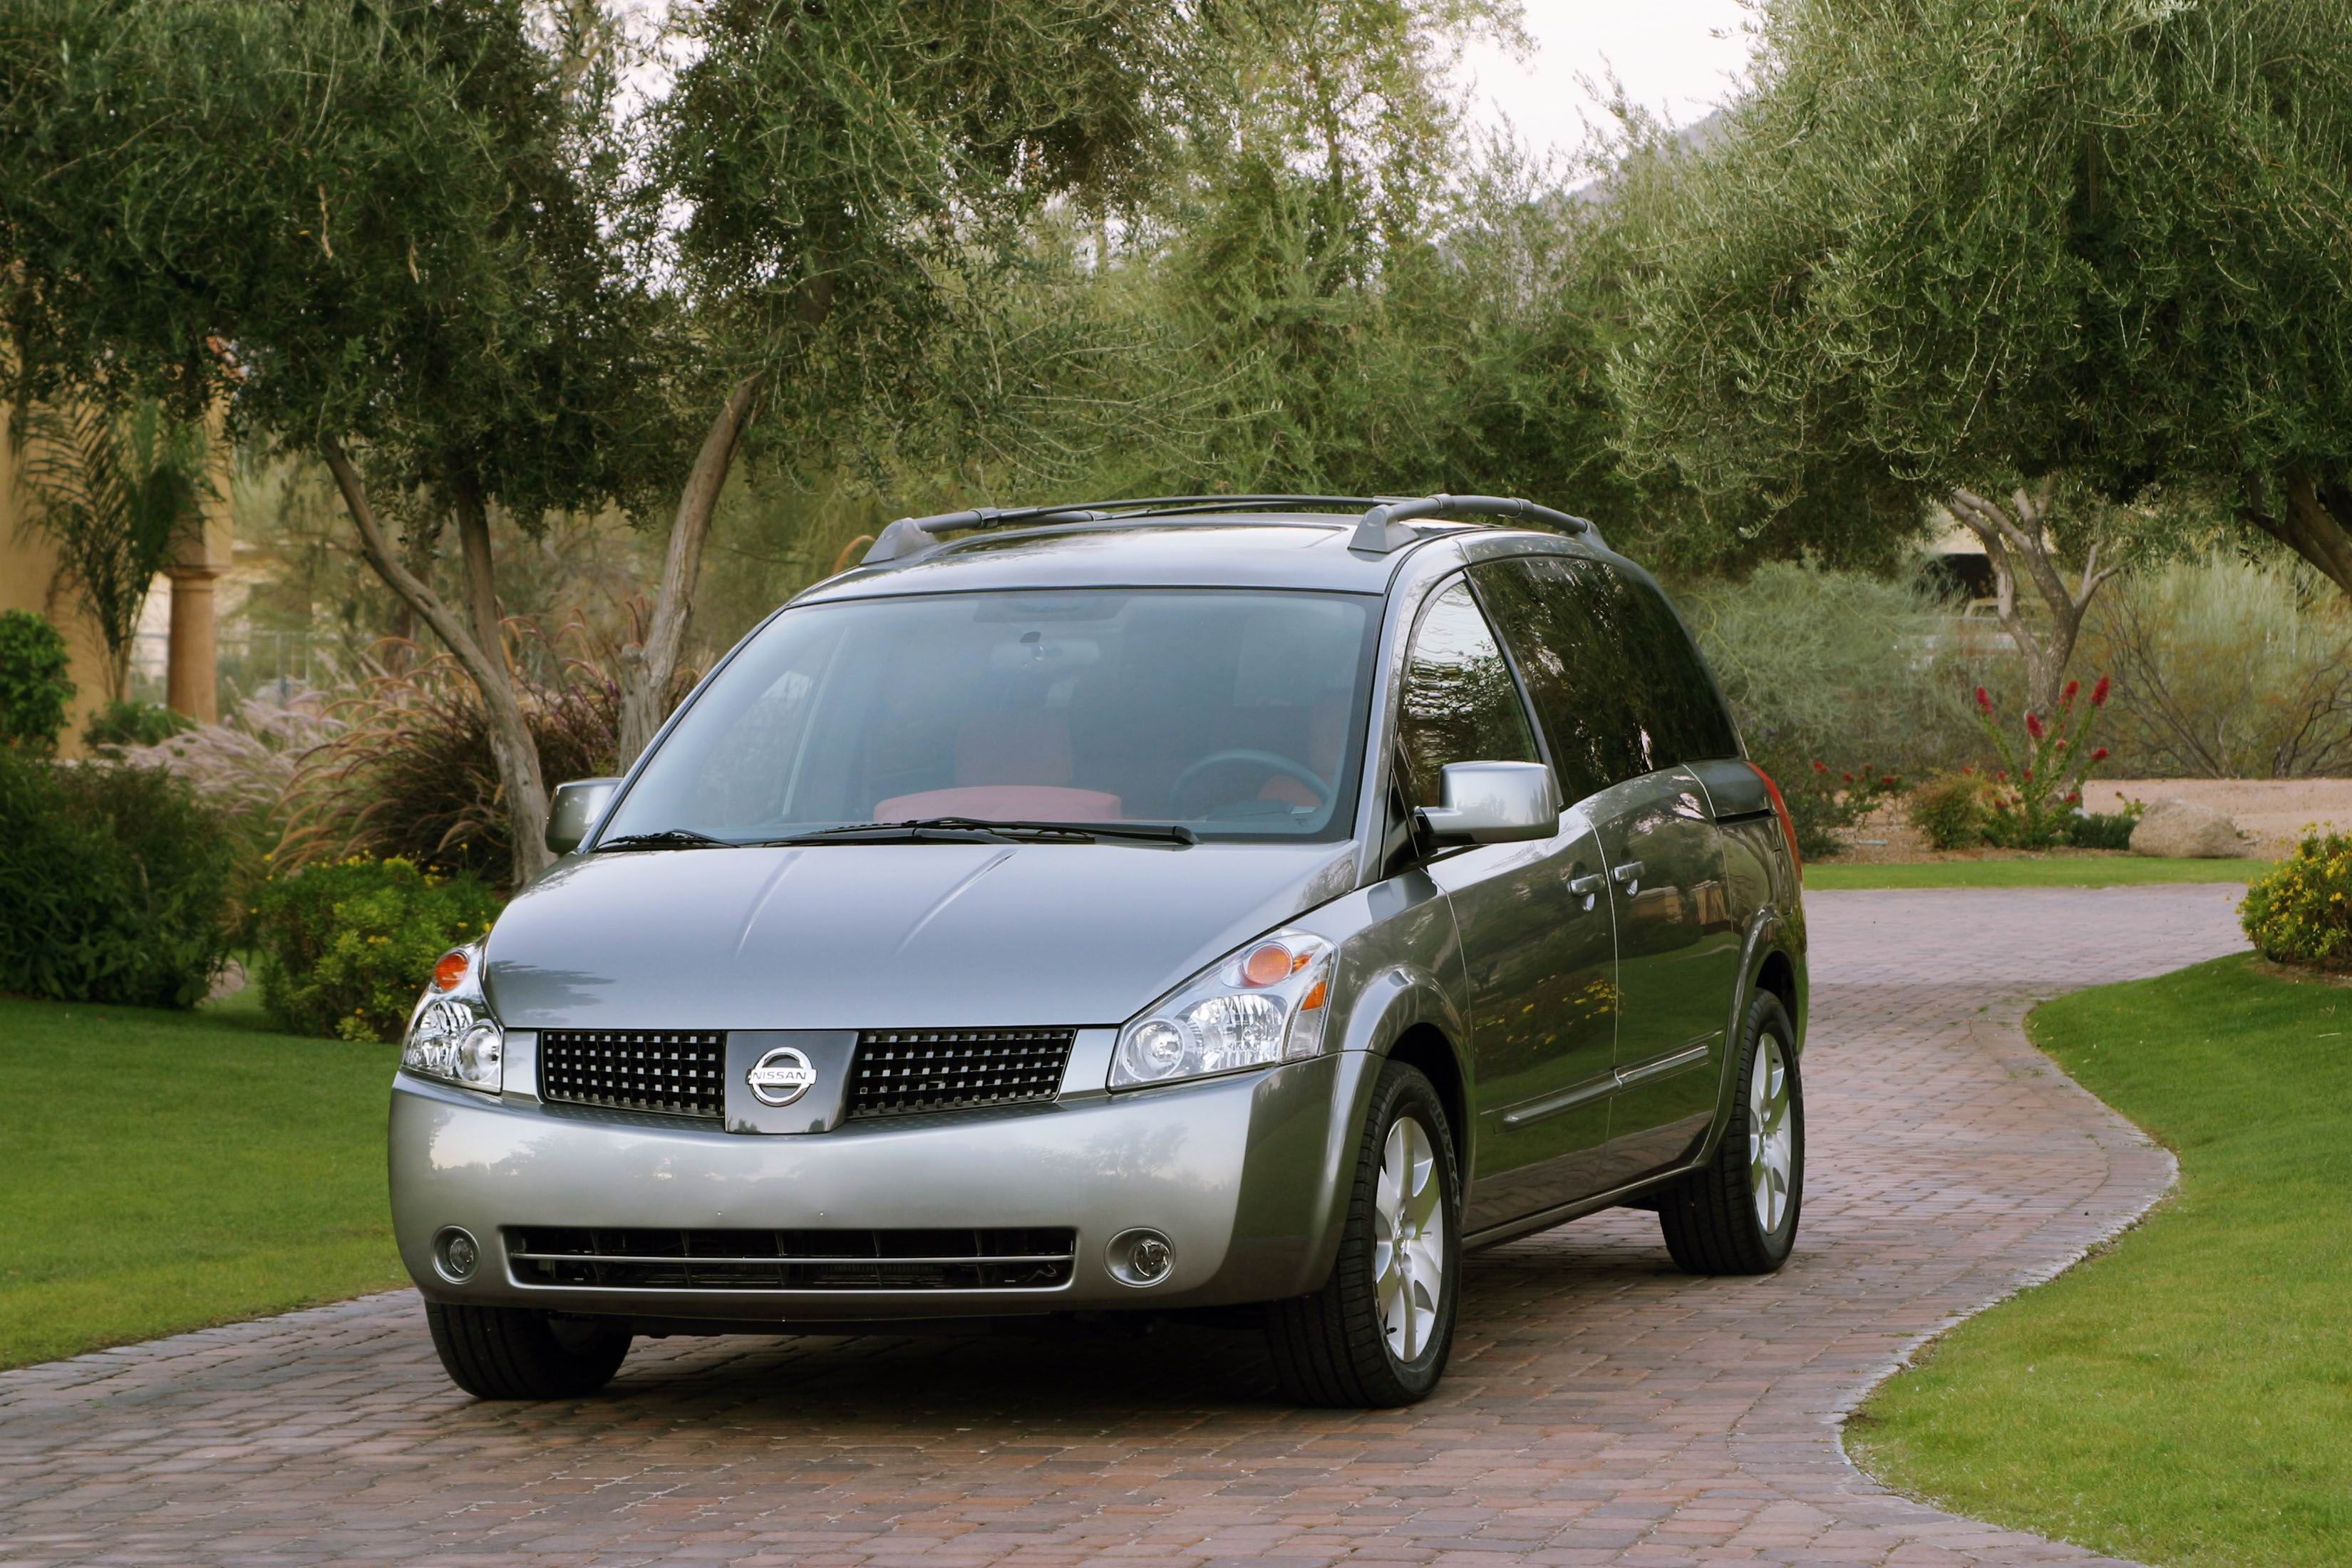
x=889, y=936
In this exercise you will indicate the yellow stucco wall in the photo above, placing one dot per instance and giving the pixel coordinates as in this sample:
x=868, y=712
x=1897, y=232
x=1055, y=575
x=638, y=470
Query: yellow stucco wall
x=29, y=580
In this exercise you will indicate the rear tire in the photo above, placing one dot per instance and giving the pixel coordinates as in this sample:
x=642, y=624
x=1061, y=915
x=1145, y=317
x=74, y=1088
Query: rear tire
x=513, y=1353
x=1738, y=1213
x=1379, y=1332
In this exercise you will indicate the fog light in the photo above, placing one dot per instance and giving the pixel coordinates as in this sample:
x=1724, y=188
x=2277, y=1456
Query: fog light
x=1140, y=1258
x=455, y=1255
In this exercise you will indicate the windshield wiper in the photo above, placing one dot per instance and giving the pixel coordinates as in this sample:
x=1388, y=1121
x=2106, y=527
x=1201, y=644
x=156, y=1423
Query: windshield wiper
x=668, y=839
x=964, y=830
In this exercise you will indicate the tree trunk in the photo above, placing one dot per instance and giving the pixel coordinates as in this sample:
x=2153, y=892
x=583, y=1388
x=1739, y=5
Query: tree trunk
x=650, y=667
x=483, y=655
x=2317, y=525
x=2009, y=539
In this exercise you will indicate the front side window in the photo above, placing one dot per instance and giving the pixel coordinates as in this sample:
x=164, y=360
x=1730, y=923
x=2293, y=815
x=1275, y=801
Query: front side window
x=1459, y=703
x=1237, y=714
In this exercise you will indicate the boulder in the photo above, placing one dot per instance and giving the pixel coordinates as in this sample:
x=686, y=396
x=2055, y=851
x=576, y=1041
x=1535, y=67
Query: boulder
x=2179, y=829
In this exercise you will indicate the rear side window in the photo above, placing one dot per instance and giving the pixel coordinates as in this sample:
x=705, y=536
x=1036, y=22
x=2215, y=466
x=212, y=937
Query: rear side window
x=1460, y=704
x=1617, y=685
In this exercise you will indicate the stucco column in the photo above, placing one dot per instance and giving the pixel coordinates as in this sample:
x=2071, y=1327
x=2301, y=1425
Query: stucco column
x=191, y=680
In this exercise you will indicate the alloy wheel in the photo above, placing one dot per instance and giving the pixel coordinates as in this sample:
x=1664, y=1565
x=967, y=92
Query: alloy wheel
x=1409, y=1239
x=1771, y=1139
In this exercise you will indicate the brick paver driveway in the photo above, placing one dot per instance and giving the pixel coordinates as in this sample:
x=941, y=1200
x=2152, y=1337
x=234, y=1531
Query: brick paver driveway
x=1601, y=1407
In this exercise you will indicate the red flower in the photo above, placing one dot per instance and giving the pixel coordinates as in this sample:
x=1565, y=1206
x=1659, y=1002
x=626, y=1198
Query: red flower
x=2033, y=725
x=2075, y=798
x=2029, y=775
x=1887, y=781
x=1848, y=777
x=2067, y=698
x=2099, y=693
x=2001, y=774
x=1984, y=699
x=2100, y=755
x=1821, y=767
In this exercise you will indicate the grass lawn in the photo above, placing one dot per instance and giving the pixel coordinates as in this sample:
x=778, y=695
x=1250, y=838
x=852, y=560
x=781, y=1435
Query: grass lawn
x=2037, y=871
x=2185, y=1397
x=163, y=1171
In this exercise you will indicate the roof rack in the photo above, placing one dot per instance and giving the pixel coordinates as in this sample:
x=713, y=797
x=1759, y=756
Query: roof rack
x=1383, y=527
x=1380, y=531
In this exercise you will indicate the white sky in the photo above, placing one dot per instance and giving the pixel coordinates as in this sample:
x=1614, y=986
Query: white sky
x=1680, y=58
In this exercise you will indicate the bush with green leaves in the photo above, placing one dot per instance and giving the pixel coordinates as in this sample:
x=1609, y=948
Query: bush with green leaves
x=117, y=884
x=2301, y=913
x=2104, y=829
x=1950, y=809
x=125, y=723
x=344, y=946
x=1824, y=802
x=33, y=687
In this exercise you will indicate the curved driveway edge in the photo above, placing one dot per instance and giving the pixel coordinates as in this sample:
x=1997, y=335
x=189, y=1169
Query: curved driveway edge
x=1601, y=1408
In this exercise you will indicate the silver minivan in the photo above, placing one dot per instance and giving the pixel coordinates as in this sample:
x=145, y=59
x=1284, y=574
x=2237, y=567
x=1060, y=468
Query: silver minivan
x=1231, y=909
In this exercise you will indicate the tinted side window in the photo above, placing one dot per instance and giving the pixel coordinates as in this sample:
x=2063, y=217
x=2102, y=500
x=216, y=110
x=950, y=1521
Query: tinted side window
x=1617, y=685
x=1459, y=704
x=1565, y=629
x=1681, y=708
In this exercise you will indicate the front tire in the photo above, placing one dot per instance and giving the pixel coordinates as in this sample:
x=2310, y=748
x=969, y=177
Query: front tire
x=1738, y=1213
x=1379, y=1332
x=513, y=1353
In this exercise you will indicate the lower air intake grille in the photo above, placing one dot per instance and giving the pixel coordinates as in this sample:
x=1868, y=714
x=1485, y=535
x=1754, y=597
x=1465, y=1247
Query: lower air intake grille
x=1018, y=1258
x=898, y=1071
x=673, y=1072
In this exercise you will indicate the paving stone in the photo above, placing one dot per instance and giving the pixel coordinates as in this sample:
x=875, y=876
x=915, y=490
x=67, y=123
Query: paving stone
x=1601, y=1408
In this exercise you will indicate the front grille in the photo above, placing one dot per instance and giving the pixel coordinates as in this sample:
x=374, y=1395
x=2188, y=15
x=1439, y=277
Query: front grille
x=1017, y=1258
x=898, y=1071
x=675, y=1072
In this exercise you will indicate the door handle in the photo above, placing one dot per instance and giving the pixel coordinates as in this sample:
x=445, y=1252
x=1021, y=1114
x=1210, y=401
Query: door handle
x=1628, y=875
x=1587, y=887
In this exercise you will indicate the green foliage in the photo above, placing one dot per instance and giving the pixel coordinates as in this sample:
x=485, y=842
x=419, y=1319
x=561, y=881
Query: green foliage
x=408, y=772
x=2301, y=913
x=1824, y=801
x=1841, y=666
x=1952, y=810
x=2104, y=829
x=2050, y=870
x=128, y=723
x=1947, y=241
x=347, y=945
x=2228, y=668
x=116, y=884
x=34, y=688
x=118, y=490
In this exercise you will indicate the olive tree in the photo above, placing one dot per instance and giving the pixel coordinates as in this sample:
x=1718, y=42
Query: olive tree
x=372, y=231
x=1957, y=250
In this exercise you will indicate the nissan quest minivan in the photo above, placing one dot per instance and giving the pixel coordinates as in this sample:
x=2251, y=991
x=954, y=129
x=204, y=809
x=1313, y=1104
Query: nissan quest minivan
x=1230, y=908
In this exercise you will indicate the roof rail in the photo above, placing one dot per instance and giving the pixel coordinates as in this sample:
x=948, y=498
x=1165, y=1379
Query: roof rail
x=1383, y=528
x=912, y=535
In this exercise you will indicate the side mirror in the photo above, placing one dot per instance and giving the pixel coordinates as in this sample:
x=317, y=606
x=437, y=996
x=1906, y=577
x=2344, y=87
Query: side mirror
x=1494, y=803
x=575, y=809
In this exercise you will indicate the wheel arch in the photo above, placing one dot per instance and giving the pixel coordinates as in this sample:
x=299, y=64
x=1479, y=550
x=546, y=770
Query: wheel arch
x=1771, y=962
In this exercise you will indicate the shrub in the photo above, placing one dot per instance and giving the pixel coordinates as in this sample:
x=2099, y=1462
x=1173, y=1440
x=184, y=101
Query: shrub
x=117, y=884
x=127, y=723
x=1949, y=810
x=2301, y=913
x=2229, y=668
x=345, y=945
x=1839, y=666
x=409, y=774
x=2040, y=783
x=2104, y=829
x=34, y=688
x=1824, y=801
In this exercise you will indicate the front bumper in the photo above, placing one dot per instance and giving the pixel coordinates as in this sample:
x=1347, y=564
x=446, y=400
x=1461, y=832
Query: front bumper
x=1245, y=1176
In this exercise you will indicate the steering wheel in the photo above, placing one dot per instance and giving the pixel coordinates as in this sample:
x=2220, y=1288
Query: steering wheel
x=1273, y=761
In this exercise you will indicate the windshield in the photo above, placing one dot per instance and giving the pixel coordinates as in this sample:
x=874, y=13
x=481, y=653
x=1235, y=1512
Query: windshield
x=1239, y=715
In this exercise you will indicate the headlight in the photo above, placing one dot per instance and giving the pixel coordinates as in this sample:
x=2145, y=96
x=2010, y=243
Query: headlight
x=1263, y=1003
x=451, y=1034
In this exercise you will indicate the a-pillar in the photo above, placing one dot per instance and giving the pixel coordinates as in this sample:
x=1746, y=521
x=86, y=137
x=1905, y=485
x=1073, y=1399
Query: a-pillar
x=191, y=683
